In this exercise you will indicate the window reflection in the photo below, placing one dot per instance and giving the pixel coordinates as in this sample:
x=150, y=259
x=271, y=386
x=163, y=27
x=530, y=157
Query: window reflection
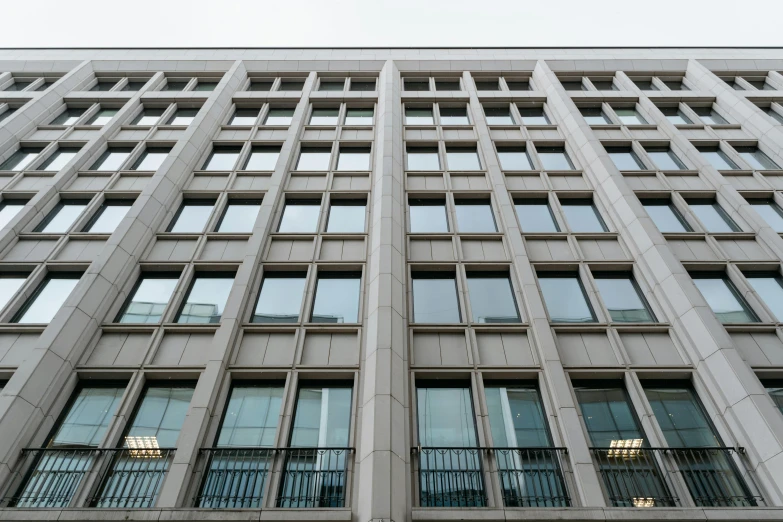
x=206, y=299
x=300, y=216
x=723, y=298
x=62, y=216
x=239, y=217
x=346, y=216
x=47, y=300
x=565, y=299
x=492, y=298
x=108, y=217
x=427, y=215
x=337, y=297
x=435, y=298
x=149, y=299
x=192, y=217
x=280, y=298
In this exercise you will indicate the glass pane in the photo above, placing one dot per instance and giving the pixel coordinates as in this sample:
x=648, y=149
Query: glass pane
x=300, y=216
x=149, y=300
x=419, y=116
x=435, y=300
x=676, y=85
x=775, y=391
x=417, y=85
x=280, y=298
x=754, y=157
x=160, y=416
x=604, y=85
x=583, y=217
x=355, y=116
x=676, y=116
x=719, y=160
x=454, y=116
x=346, y=217
x=9, y=285
x=665, y=159
x=243, y=117
x=108, y=218
x=251, y=416
x=724, y=300
x=62, y=217
x=88, y=418
x=174, y=86
x=134, y=86
x=487, y=85
x=68, y=117
x=516, y=417
x=492, y=299
x=681, y=418
x=323, y=417
x=769, y=289
x=183, y=117
x=362, y=85
x=518, y=85
x=102, y=117
x=554, y=159
x=59, y=159
x=629, y=117
x=240, y=217
x=47, y=300
x=206, y=300
x=514, y=159
x=205, y=86
x=447, y=85
x=148, y=117
x=423, y=159
x=573, y=85
x=445, y=417
x=337, y=298
x=536, y=217
x=281, y=117
x=151, y=159
x=666, y=218
x=192, y=218
x=534, y=116
x=9, y=210
x=20, y=159
x=709, y=116
x=262, y=158
x=498, y=116
x=645, y=85
x=463, y=159
x=565, y=300
x=428, y=216
x=623, y=300
x=595, y=116
x=324, y=116
x=311, y=158
x=260, y=85
x=626, y=160
x=772, y=113
x=112, y=159
x=291, y=85
x=771, y=213
x=222, y=158
x=713, y=217
x=475, y=216
x=607, y=415
x=103, y=86
x=353, y=159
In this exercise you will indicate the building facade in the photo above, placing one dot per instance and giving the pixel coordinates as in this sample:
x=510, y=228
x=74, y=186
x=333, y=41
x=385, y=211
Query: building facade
x=391, y=284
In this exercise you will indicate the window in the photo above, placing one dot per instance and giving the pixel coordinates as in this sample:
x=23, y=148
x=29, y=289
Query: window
x=423, y=158
x=10, y=283
x=151, y=159
x=279, y=117
x=183, y=117
x=723, y=298
x=134, y=86
x=102, y=117
x=362, y=85
x=498, y=116
x=353, y=158
x=428, y=215
x=623, y=298
x=104, y=85
x=358, y=116
x=250, y=421
x=435, y=298
x=239, y=217
x=709, y=116
x=337, y=297
x=607, y=413
x=149, y=299
x=346, y=216
x=322, y=420
x=595, y=116
x=625, y=158
x=447, y=85
x=713, y=217
x=775, y=115
x=160, y=415
x=148, y=117
x=454, y=116
x=774, y=388
x=243, y=117
x=108, y=217
x=676, y=116
x=47, y=299
x=59, y=159
x=769, y=287
x=62, y=216
x=205, y=86
x=754, y=157
x=582, y=216
x=514, y=158
x=664, y=158
x=324, y=116
x=314, y=158
x=207, y=298
x=554, y=158
x=332, y=85
x=175, y=86
x=518, y=85
x=222, y=158
x=280, y=298
x=645, y=85
x=573, y=85
x=629, y=116
x=300, y=216
x=535, y=215
x=68, y=117
x=416, y=85
x=680, y=416
x=533, y=116
x=291, y=85
x=262, y=158
x=565, y=298
x=9, y=208
x=718, y=158
x=665, y=216
x=20, y=159
x=771, y=213
x=192, y=216
x=462, y=158
x=87, y=417
x=492, y=298
x=445, y=420
x=604, y=85
x=517, y=419
x=676, y=85
x=419, y=116
x=112, y=159
x=487, y=84
x=261, y=85
x=474, y=216
x=6, y=113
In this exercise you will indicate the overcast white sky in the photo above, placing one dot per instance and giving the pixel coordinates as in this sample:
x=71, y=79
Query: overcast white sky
x=399, y=23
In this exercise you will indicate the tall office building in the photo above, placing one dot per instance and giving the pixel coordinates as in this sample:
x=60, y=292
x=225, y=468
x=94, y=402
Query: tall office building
x=391, y=284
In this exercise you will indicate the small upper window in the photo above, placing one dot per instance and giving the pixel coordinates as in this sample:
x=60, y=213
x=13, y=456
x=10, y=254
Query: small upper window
x=463, y=158
x=300, y=216
x=419, y=116
x=280, y=298
x=665, y=158
x=291, y=85
x=206, y=299
x=709, y=116
x=582, y=216
x=102, y=117
x=324, y=116
x=20, y=159
x=454, y=116
x=239, y=216
x=152, y=158
x=573, y=85
x=492, y=298
x=411, y=84
x=353, y=158
x=428, y=216
x=68, y=117
x=625, y=158
x=518, y=85
x=192, y=216
x=175, y=85
x=243, y=117
x=47, y=299
x=10, y=283
x=183, y=117
x=112, y=159
x=337, y=297
x=262, y=158
x=535, y=215
x=59, y=159
x=435, y=298
x=423, y=158
x=475, y=216
x=336, y=84
x=565, y=298
x=498, y=116
x=713, y=217
x=665, y=216
x=629, y=116
x=260, y=85
x=148, y=116
x=645, y=85
x=487, y=84
x=718, y=158
x=314, y=158
x=62, y=216
x=447, y=85
x=149, y=299
x=533, y=116
x=362, y=85
x=771, y=213
x=676, y=116
x=514, y=158
x=595, y=116
x=108, y=217
x=754, y=157
x=358, y=116
x=554, y=158
x=9, y=208
x=623, y=298
x=222, y=158
x=724, y=299
x=346, y=216
x=281, y=117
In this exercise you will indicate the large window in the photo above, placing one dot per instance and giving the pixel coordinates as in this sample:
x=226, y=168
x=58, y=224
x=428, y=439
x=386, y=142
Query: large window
x=62, y=216
x=239, y=217
x=222, y=158
x=152, y=158
x=148, y=116
x=712, y=216
x=419, y=116
x=300, y=216
x=207, y=298
x=565, y=298
x=498, y=116
x=623, y=298
x=428, y=215
x=280, y=117
x=709, y=116
x=50, y=295
x=680, y=416
x=535, y=215
x=262, y=158
x=243, y=117
x=454, y=116
x=435, y=298
x=353, y=158
x=59, y=159
x=629, y=116
x=192, y=216
x=492, y=298
x=582, y=216
x=625, y=158
x=664, y=158
x=462, y=158
x=314, y=158
x=595, y=116
x=183, y=117
x=474, y=216
x=250, y=419
x=514, y=158
x=665, y=216
x=109, y=216
x=554, y=158
x=69, y=117
x=775, y=390
x=9, y=208
x=358, y=115
x=771, y=213
x=102, y=117
x=20, y=159
x=769, y=287
x=10, y=283
x=533, y=116
x=324, y=116
x=756, y=158
x=676, y=116
x=607, y=413
x=149, y=299
x=718, y=158
x=112, y=159
x=337, y=297
x=423, y=158
x=346, y=216
x=280, y=298
x=723, y=298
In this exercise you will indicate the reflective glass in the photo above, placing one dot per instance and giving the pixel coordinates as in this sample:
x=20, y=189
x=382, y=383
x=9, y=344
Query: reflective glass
x=323, y=417
x=492, y=298
x=535, y=216
x=516, y=417
x=6, y=113
x=582, y=217
x=676, y=116
x=775, y=115
x=183, y=117
x=103, y=86
x=553, y=158
x=251, y=416
x=160, y=415
x=666, y=217
x=417, y=85
x=261, y=85
x=629, y=117
x=59, y=159
x=724, y=300
x=88, y=417
x=206, y=300
x=192, y=217
x=573, y=85
x=534, y=116
x=676, y=85
x=102, y=117
x=362, y=85
x=290, y=85
x=108, y=217
x=623, y=299
x=769, y=288
x=62, y=216
x=337, y=85
x=20, y=159
x=262, y=158
x=314, y=158
x=487, y=85
x=518, y=85
x=709, y=116
x=205, y=86
x=595, y=116
x=446, y=419
x=428, y=216
x=239, y=217
x=713, y=217
x=8, y=211
x=625, y=159
x=645, y=85
x=175, y=86
x=607, y=414
x=514, y=158
x=134, y=86
x=280, y=298
x=322, y=116
x=475, y=216
x=346, y=216
x=419, y=116
x=565, y=299
x=149, y=300
x=300, y=216
x=280, y=116
x=10, y=283
x=151, y=159
x=148, y=116
x=604, y=85
x=719, y=159
x=68, y=117
x=681, y=417
x=665, y=159
x=47, y=299
x=112, y=158
x=337, y=298
x=357, y=158
x=498, y=116
x=454, y=116
x=771, y=213
x=243, y=117
x=435, y=298
x=754, y=157
x=423, y=158
x=774, y=388
x=222, y=158
x=447, y=85
x=462, y=158
x=358, y=116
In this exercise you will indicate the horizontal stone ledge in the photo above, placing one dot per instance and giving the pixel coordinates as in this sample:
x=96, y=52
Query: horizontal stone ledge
x=588, y=514
x=177, y=514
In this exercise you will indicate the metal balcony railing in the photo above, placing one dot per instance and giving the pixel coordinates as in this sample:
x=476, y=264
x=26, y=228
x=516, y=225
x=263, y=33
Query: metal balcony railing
x=234, y=477
x=313, y=477
x=131, y=478
x=712, y=477
x=451, y=477
x=532, y=477
x=632, y=477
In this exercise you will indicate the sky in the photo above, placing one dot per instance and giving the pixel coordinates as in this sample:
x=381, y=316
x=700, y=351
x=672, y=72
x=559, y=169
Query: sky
x=390, y=23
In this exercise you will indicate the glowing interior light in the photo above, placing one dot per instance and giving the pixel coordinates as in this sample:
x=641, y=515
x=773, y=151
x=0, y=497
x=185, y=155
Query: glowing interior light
x=143, y=447
x=643, y=502
x=625, y=448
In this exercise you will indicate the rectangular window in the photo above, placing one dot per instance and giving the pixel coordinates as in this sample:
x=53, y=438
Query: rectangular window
x=625, y=158
x=582, y=216
x=445, y=418
x=771, y=213
x=290, y=85
x=262, y=158
x=518, y=85
x=665, y=158
x=102, y=117
x=604, y=85
x=151, y=159
x=435, y=298
x=324, y=116
x=533, y=116
x=175, y=86
x=192, y=216
x=337, y=297
x=243, y=117
x=112, y=159
x=454, y=116
x=108, y=217
x=423, y=158
x=251, y=416
x=514, y=158
x=712, y=216
x=183, y=117
x=59, y=159
x=754, y=157
x=20, y=159
x=62, y=216
x=87, y=417
x=362, y=85
x=680, y=416
x=629, y=116
x=774, y=388
x=280, y=117
x=595, y=116
x=322, y=418
x=769, y=287
x=665, y=216
x=332, y=85
x=280, y=298
x=676, y=85
x=346, y=216
x=47, y=299
x=222, y=158
x=314, y=158
x=492, y=298
x=428, y=215
x=10, y=283
x=724, y=299
x=353, y=158
x=475, y=216
x=516, y=416
x=206, y=298
x=554, y=158
x=772, y=113
x=9, y=208
x=565, y=298
x=498, y=116
x=148, y=117
x=103, y=85
x=68, y=117
x=718, y=158
x=709, y=116
x=487, y=84
x=239, y=217
x=205, y=86
x=416, y=84
x=300, y=216
x=573, y=85
x=447, y=85
x=134, y=86
x=676, y=116
x=149, y=299
x=607, y=413
x=462, y=158
x=160, y=415
x=419, y=116
x=535, y=215
x=260, y=85
x=358, y=116
x=623, y=298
